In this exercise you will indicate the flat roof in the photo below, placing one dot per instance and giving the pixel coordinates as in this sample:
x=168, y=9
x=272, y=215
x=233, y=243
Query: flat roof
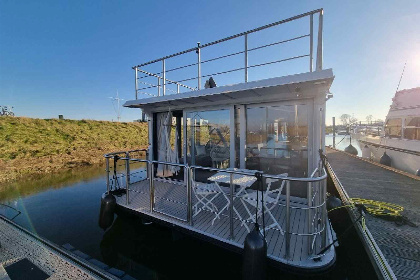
x=298, y=85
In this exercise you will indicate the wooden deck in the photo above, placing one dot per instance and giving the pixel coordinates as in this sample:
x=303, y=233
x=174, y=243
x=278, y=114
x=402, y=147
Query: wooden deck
x=399, y=244
x=171, y=206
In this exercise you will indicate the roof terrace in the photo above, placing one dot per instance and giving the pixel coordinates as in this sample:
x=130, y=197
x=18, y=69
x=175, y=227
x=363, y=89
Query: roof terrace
x=278, y=49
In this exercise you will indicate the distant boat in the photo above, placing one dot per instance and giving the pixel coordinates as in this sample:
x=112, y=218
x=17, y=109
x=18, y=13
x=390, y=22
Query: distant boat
x=400, y=137
x=342, y=132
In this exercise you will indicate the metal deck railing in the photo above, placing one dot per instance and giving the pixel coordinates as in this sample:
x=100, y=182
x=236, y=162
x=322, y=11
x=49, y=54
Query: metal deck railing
x=159, y=83
x=314, y=231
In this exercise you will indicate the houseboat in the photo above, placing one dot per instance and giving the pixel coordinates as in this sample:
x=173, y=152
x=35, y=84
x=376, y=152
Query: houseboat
x=226, y=153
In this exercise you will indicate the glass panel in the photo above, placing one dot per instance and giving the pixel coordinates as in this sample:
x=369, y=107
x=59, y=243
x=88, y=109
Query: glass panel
x=393, y=128
x=412, y=128
x=208, y=134
x=277, y=139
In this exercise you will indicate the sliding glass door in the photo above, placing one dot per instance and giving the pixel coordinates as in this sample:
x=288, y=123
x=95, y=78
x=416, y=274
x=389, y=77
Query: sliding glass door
x=277, y=139
x=208, y=138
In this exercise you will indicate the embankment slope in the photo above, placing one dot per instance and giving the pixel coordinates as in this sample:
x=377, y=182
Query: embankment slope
x=31, y=146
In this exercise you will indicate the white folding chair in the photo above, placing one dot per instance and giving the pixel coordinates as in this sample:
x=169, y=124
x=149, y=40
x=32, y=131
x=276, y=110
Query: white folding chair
x=206, y=193
x=271, y=200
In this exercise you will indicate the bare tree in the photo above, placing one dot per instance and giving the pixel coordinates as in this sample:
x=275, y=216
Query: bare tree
x=345, y=119
x=352, y=120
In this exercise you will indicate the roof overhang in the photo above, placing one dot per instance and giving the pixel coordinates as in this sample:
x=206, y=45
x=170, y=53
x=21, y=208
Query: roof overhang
x=297, y=86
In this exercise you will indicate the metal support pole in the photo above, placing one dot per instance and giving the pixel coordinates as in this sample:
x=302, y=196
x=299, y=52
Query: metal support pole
x=107, y=174
x=287, y=233
x=127, y=177
x=199, y=65
x=232, y=190
x=311, y=42
x=246, y=58
x=158, y=86
x=177, y=88
x=309, y=195
x=136, y=80
x=189, y=192
x=319, y=48
x=163, y=78
x=151, y=186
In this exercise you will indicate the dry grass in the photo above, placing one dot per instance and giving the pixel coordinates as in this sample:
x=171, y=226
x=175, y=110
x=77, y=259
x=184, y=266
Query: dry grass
x=31, y=146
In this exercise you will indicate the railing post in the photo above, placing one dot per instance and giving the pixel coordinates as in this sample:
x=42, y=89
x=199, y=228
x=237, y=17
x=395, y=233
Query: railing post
x=107, y=174
x=319, y=48
x=323, y=214
x=136, y=80
x=189, y=192
x=246, y=58
x=163, y=78
x=311, y=42
x=127, y=177
x=158, y=86
x=287, y=233
x=232, y=190
x=199, y=65
x=151, y=186
x=309, y=222
x=177, y=88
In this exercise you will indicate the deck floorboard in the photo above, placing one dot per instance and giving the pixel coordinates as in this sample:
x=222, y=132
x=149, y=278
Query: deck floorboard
x=171, y=199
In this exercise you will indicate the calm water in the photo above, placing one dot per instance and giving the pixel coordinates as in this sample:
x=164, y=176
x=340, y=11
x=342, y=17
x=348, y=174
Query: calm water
x=64, y=208
x=341, y=142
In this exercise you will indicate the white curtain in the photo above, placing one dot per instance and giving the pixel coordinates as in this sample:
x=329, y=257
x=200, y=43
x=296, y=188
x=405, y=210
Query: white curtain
x=165, y=153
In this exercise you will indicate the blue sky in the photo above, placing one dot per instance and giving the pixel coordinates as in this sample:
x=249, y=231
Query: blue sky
x=69, y=57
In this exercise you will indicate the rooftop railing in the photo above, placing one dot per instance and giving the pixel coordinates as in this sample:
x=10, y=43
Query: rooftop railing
x=188, y=77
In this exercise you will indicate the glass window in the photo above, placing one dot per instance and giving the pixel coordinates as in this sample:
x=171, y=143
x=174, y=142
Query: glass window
x=393, y=128
x=277, y=139
x=412, y=128
x=208, y=138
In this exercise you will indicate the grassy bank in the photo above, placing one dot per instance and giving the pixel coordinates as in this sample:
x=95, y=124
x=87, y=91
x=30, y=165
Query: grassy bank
x=33, y=146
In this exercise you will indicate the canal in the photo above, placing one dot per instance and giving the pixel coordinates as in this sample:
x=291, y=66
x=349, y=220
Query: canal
x=64, y=208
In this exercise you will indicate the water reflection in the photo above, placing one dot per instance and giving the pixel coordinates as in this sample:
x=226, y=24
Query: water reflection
x=38, y=183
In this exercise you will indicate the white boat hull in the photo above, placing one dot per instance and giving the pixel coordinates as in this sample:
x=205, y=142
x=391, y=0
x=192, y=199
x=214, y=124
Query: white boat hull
x=404, y=154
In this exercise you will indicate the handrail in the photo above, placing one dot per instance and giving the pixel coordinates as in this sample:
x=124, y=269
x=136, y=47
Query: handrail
x=315, y=204
x=109, y=155
x=233, y=36
x=162, y=81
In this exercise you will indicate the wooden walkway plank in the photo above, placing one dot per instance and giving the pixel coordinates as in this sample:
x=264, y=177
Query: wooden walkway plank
x=399, y=244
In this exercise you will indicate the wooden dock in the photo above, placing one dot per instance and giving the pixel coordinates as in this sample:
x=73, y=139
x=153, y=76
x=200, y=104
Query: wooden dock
x=400, y=245
x=24, y=255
